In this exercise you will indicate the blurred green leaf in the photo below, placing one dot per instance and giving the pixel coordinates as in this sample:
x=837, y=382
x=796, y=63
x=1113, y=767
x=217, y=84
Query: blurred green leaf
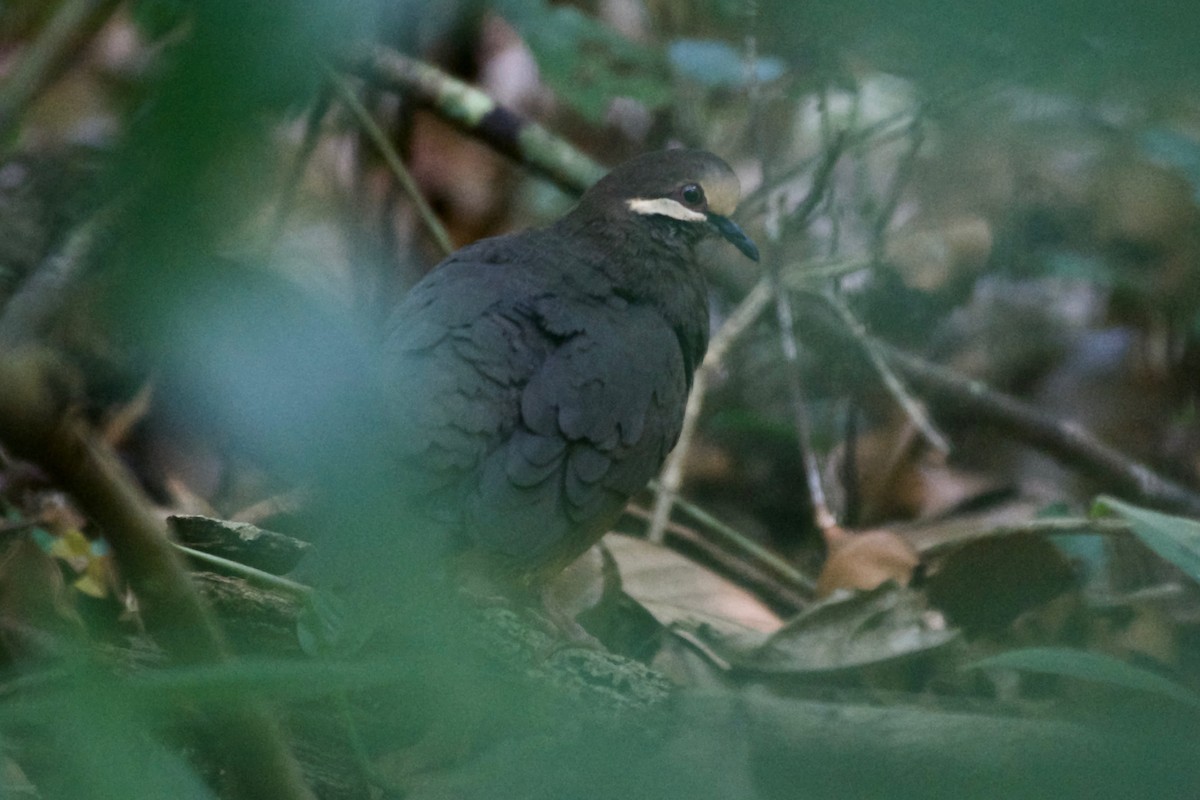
x=156, y=18
x=153, y=696
x=719, y=64
x=1175, y=150
x=327, y=628
x=1053, y=510
x=1089, y=267
x=1083, y=45
x=587, y=63
x=1176, y=539
x=81, y=738
x=1087, y=666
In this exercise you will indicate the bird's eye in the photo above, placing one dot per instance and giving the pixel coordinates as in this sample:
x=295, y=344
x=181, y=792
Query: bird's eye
x=692, y=194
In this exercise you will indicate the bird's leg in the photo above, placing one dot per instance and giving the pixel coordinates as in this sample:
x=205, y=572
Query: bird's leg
x=569, y=632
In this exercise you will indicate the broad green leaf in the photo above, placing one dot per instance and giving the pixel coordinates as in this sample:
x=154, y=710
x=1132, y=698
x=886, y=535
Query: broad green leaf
x=1089, y=667
x=1176, y=539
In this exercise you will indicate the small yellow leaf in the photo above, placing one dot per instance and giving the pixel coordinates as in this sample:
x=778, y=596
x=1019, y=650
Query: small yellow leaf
x=74, y=548
x=91, y=585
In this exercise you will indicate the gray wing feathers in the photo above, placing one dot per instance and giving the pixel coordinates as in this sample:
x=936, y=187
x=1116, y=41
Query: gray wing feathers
x=538, y=414
x=590, y=436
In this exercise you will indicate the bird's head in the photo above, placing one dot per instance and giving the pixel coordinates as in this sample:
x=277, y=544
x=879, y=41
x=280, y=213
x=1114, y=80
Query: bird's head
x=689, y=191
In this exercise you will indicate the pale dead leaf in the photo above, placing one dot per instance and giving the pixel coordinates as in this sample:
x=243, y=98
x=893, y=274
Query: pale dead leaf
x=675, y=589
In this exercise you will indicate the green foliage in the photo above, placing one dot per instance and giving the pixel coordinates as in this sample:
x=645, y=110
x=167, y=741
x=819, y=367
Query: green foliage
x=278, y=374
x=1074, y=265
x=1087, y=666
x=1174, y=150
x=327, y=629
x=88, y=733
x=587, y=63
x=1176, y=539
x=1069, y=44
x=156, y=18
x=79, y=736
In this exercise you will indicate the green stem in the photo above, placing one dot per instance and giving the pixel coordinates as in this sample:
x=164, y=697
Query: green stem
x=380, y=139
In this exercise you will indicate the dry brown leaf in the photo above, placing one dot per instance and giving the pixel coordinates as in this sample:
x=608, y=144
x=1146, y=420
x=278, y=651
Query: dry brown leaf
x=674, y=588
x=865, y=560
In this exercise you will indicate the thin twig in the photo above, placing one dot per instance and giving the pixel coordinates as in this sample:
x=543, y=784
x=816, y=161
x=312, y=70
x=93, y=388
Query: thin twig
x=670, y=478
x=817, y=273
x=798, y=220
x=46, y=57
x=251, y=575
x=738, y=565
x=829, y=202
x=876, y=135
x=745, y=544
x=822, y=515
x=895, y=189
x=394, y=162
x=913, y=408
x=849, y=473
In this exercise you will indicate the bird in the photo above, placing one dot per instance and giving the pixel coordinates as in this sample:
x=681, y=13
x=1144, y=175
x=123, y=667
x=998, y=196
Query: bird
x=537, y=380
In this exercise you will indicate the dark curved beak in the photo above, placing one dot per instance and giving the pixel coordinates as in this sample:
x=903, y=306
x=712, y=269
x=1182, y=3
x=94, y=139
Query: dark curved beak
x=734, y=235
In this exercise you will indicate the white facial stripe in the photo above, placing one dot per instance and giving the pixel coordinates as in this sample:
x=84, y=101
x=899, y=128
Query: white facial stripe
x=666, y=207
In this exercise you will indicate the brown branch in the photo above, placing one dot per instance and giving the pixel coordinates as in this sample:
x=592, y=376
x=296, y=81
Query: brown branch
x=1067, y=441
x=912, y=408
x=271, y=552
x=39, y=422
x=47, y=56
x=476, y=114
